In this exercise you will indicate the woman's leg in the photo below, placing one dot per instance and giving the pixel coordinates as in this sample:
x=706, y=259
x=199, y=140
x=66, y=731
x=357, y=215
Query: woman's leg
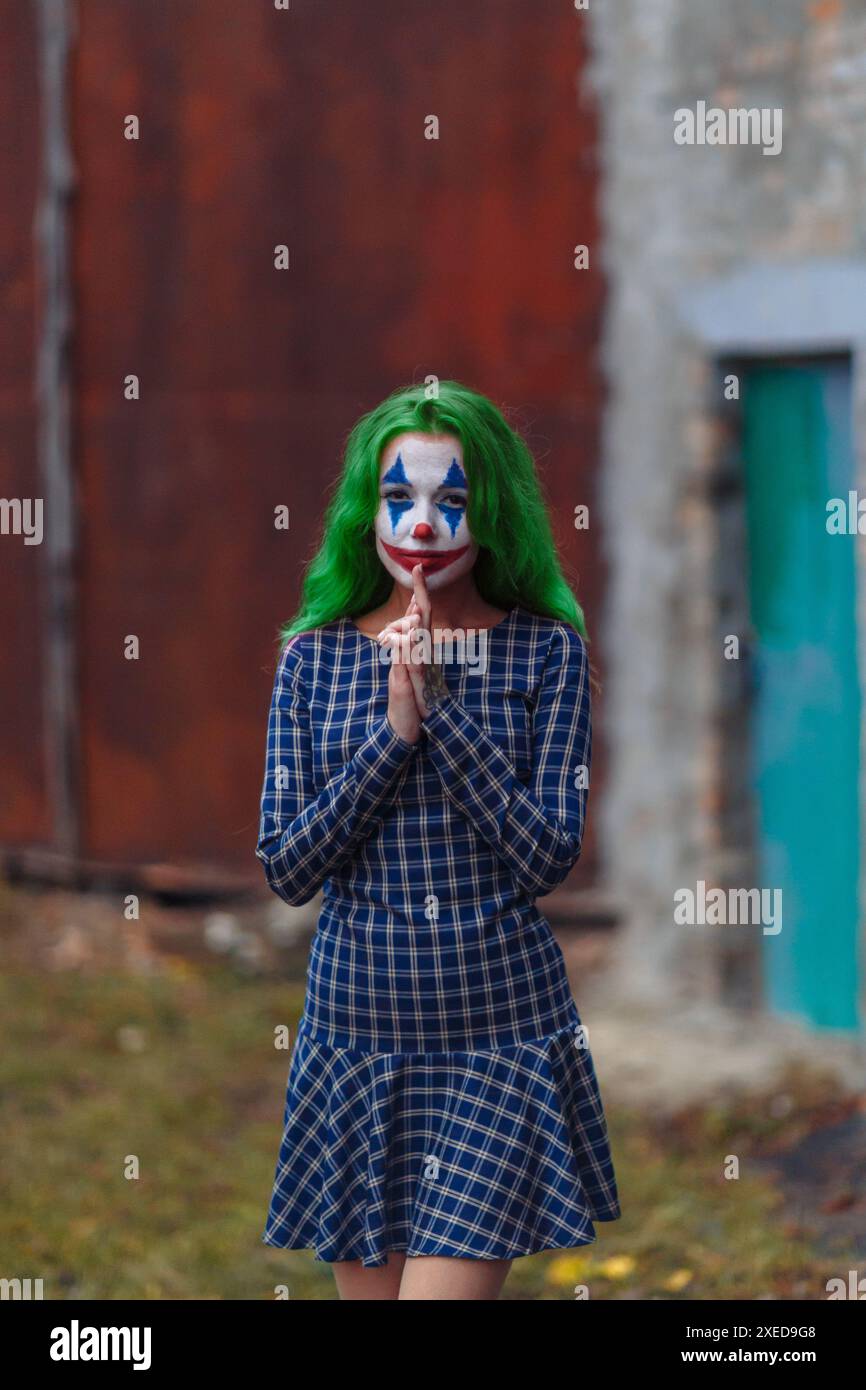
x=354, y=1281
x=432, y=1276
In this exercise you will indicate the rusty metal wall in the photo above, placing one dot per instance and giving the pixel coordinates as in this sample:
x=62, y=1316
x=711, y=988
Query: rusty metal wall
x=259, y=127
x=24, y=809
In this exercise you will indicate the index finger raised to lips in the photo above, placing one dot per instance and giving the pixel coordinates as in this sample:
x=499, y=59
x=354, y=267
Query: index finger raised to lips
x=420, y=591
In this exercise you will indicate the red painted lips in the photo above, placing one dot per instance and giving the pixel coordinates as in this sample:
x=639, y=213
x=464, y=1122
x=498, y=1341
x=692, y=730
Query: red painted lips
x=432, y=560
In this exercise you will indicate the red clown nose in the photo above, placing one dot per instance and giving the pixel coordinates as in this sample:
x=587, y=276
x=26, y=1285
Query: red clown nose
x=423, y=532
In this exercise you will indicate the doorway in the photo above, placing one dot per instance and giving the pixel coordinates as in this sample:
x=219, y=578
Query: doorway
x=797, y=454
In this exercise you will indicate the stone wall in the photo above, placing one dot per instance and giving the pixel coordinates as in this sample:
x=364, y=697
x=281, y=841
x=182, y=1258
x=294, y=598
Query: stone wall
x=674, y=218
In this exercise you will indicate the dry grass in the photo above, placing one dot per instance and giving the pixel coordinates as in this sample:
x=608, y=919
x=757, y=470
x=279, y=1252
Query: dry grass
x=177, y=1069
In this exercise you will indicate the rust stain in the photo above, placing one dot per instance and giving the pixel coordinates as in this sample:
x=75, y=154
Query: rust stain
x=825, y=11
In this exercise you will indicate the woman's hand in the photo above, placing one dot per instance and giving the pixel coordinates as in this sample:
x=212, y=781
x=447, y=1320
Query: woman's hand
x=428, y=679
x=403, y=713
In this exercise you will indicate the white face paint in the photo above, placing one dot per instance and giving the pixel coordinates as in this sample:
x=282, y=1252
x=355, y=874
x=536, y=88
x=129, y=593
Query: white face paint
x=422, y=512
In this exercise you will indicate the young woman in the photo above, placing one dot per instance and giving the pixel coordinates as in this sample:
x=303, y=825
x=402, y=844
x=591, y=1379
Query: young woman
x=442, y=1114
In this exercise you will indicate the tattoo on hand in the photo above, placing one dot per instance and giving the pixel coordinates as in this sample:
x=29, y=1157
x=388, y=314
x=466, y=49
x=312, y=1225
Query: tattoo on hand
x=433, y=686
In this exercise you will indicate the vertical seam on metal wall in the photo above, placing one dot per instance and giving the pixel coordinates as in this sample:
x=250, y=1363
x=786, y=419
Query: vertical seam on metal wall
x=54, y=445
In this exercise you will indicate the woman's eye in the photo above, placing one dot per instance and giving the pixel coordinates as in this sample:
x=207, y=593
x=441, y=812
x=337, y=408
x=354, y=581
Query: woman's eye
x=398, y=495
x=455, y=500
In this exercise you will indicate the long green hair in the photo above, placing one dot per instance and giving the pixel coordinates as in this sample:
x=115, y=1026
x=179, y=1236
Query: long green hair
x=517, y=562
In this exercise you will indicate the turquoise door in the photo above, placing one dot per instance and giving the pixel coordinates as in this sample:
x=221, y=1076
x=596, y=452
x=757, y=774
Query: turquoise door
x=806, y=716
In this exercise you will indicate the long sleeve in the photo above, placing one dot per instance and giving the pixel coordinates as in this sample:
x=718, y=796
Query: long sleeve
x=304, y=837
x=537, y=830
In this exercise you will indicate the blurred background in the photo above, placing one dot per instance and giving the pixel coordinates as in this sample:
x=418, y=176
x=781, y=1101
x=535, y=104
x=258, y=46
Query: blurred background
x=229, y=230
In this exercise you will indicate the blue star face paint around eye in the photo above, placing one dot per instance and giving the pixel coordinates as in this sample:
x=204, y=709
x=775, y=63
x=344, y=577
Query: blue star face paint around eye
x=455, y=478
x=396, y=479
x=421, y=519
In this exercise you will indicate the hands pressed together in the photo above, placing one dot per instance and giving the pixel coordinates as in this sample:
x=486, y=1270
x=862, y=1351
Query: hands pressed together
x=414, y=687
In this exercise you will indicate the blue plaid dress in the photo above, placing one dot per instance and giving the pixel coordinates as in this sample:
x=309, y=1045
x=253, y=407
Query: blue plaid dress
x=441, y=1097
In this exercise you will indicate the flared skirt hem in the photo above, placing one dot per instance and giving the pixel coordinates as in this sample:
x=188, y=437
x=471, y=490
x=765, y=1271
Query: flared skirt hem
x=490, y=1154
x=505, y=1253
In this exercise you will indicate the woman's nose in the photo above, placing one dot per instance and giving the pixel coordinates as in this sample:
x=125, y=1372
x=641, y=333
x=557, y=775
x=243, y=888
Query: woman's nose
x=422, y=531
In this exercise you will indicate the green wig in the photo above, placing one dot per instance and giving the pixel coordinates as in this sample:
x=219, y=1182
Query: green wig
x=517, y=564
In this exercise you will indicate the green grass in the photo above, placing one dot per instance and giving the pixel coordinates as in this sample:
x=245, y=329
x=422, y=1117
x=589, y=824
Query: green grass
x=195, y=1094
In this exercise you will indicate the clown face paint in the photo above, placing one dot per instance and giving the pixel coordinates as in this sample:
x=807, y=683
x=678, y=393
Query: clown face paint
x=422, y=510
